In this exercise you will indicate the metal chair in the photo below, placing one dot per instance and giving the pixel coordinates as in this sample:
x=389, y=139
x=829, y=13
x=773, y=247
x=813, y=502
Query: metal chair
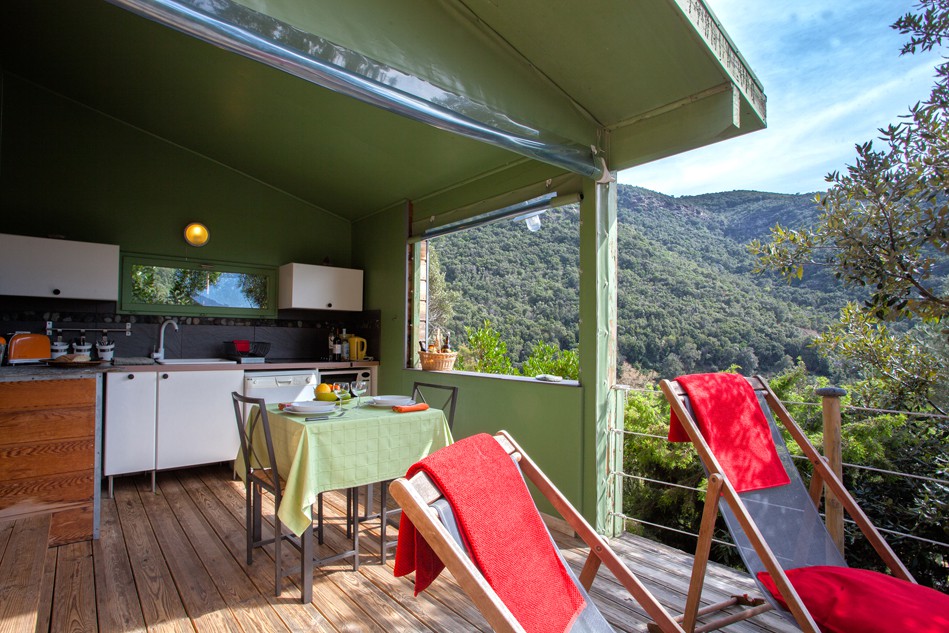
x=439, y=397
x=258, y=477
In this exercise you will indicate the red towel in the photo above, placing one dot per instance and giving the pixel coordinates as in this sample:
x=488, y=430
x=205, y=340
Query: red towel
x=408, y=408
x=508, y=540
x=731, y=421
x=242, y=346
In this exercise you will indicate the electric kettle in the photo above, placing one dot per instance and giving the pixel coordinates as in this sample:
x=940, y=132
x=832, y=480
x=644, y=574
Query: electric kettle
x=357, y=348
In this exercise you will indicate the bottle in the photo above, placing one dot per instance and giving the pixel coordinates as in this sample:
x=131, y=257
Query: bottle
x=446, y=345
x=329, y=352
x=337, y=347
x=432, y=348
x=345, y=349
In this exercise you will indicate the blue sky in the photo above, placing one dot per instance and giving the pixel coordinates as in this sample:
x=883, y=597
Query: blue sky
x=833, y=76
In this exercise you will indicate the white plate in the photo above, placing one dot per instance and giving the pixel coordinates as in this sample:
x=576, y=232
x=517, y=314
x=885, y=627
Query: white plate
x=310, y=407
x=390, y=401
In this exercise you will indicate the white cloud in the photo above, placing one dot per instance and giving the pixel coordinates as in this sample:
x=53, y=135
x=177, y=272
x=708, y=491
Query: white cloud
x=833, y=77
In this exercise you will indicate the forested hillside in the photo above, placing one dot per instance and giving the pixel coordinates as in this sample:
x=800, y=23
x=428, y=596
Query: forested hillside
x=688, y=300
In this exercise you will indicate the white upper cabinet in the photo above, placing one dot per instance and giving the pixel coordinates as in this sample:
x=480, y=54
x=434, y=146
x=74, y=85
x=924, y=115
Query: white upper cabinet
x=320, y=288
x=39, y=267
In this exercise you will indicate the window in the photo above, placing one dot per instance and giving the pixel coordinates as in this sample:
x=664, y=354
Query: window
x=168, y=286
x=506, y=290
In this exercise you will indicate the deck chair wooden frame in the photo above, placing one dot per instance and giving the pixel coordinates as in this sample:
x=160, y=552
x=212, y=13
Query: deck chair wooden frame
x=416, y=494
x=719, y=486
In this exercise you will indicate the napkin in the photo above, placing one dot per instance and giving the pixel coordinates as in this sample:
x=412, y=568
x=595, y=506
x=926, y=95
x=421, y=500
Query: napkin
x=408, y=408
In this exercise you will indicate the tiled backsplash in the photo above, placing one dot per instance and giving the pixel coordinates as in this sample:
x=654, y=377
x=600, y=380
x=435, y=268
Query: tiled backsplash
x=294, y=335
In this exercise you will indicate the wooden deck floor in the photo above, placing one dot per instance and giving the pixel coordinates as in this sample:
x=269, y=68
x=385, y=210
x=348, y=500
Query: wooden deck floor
x=175, y=561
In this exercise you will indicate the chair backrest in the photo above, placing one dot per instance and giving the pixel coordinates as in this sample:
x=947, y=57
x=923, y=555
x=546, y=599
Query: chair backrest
x=251, y=430
x=439, y=396
x=785, y=516
x=777, y=528
x=419, y=496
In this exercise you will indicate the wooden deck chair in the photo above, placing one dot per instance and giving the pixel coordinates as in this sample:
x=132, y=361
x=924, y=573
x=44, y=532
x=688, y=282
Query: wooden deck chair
x=432, y=517
x=774, y=519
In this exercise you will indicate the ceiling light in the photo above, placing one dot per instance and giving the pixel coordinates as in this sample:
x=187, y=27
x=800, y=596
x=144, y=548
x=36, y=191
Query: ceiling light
x=197, y=234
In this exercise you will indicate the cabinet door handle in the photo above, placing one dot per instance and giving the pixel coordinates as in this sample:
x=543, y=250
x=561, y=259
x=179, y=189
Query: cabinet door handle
x=131, y=376
x=57, y=291
x=164, y=376
x=329, y=305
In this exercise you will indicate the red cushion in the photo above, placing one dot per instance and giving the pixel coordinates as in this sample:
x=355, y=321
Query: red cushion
x=846, y=600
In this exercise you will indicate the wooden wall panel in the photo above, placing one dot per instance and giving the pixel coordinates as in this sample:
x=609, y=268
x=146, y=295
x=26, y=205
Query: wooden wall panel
x=47, y=394
x=47, y=454
x=47, y=424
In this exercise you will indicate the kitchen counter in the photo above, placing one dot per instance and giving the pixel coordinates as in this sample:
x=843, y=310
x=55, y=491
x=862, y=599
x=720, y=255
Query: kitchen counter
x=45, y=372
x=15, y=373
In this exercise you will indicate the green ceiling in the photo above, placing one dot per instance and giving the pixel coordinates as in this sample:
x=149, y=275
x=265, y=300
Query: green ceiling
x=640, y=79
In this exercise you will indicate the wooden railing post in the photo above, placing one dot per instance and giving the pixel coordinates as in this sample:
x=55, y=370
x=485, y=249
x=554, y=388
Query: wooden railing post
x=833, y=509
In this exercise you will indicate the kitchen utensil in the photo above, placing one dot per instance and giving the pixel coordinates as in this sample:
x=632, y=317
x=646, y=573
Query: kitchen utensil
x=59, y=348
x=28, y=348
x=357, y=348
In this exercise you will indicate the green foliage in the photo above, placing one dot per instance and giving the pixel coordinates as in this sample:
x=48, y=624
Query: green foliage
x=484, y=352
x=885, y=222
x=549, y=359
x=441, y=298
x=686, y=299
x=898, y=371
x=879, y=440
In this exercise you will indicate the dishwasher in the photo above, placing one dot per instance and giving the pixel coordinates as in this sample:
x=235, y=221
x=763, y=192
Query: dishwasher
x=281, y=386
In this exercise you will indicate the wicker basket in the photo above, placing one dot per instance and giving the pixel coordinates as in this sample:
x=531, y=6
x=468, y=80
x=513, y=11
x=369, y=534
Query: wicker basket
x=438, y=361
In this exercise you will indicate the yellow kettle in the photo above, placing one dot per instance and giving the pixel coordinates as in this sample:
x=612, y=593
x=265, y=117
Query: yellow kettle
x=357, y=348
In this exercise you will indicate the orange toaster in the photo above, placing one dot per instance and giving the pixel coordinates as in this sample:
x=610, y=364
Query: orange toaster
x=28, y=348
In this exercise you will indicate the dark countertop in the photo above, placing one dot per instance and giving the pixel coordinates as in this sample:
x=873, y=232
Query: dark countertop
x=45, y=372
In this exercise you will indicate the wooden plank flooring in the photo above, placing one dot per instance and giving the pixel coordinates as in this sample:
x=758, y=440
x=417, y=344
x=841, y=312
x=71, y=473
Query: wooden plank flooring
x=175, y=561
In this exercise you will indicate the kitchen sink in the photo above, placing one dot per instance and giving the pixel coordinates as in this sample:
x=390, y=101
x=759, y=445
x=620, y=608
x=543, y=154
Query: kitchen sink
x=197, y=361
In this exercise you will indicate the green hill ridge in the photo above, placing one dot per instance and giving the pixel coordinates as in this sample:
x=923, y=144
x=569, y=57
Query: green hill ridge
x=688, y=300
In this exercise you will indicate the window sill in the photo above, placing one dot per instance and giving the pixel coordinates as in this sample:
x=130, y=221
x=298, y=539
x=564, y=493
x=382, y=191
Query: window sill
x=524, y=379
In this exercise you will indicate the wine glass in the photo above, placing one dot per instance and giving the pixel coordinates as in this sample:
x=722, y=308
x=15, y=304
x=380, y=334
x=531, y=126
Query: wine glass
x=339, y=389
x=358, y=387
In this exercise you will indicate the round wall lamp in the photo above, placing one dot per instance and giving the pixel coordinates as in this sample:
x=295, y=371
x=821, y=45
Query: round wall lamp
x=197, y=234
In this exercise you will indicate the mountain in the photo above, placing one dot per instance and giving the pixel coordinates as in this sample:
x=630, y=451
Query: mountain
x=687, y=299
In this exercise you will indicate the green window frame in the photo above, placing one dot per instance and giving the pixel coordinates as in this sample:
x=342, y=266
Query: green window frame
x=184, y=274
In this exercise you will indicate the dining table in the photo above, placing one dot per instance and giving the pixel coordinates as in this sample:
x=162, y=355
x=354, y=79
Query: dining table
x=365, y=445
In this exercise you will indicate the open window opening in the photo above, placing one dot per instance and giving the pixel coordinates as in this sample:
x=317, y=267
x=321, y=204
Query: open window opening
x=501, y=288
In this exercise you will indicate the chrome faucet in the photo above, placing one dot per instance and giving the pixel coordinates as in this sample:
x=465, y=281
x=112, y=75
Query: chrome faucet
x=160, y=353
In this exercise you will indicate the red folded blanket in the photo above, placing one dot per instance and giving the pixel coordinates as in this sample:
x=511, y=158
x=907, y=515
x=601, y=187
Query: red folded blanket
x=499, y=521
x=408, y=408
x=731, y=421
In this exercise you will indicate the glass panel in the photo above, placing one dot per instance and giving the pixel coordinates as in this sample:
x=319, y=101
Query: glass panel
x=170, y=287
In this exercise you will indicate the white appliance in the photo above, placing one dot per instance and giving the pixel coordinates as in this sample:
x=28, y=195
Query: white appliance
x=281, y=386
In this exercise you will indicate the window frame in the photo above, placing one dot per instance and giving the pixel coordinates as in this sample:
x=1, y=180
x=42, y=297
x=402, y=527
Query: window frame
x=128, y=306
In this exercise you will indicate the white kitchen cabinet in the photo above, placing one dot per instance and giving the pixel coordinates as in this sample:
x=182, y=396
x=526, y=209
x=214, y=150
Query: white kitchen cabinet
x=40, y=267
x=320, y=287
x=130, y=405
x=195, y=421
x=156, y=420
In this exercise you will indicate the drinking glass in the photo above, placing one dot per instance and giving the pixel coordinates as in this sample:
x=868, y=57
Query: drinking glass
x=358, y=387
x=339, y=389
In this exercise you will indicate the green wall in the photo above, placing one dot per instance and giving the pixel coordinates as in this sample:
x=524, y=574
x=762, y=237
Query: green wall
x=70, y=171
x=545, y=419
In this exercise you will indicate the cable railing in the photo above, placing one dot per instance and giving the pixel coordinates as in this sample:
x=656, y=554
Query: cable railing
x=624, y=435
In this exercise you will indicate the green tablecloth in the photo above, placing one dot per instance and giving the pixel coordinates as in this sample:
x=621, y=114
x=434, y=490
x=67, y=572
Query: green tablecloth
x=364, y=446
